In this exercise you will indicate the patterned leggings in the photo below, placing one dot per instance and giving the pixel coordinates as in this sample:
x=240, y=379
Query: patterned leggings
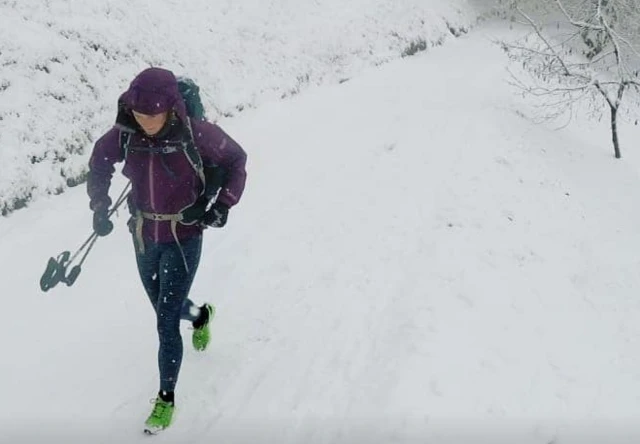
x=167, y=283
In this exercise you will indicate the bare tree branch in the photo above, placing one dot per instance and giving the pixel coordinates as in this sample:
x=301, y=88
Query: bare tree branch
x=539, y=32
x=577, y=23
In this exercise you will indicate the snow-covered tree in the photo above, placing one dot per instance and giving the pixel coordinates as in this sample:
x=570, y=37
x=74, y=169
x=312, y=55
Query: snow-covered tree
x=580, y=51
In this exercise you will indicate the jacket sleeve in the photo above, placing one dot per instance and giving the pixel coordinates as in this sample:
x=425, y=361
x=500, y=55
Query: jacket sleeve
x=219, y=149
x=106, y=153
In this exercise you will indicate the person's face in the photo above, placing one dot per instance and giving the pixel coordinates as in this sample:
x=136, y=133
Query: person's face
x=151, y=124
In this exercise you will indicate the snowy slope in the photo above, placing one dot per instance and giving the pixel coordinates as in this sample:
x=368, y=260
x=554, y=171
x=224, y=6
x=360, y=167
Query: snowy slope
x=64, y=63
x=413, y=261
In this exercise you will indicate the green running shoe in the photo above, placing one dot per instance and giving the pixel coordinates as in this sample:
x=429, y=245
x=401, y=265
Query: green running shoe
x=201, y=334
x=160, y=417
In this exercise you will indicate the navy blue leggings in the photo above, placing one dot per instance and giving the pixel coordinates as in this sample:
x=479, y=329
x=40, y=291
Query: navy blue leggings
x=167, y=284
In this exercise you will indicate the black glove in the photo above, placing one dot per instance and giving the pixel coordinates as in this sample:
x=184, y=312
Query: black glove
x=217, y=215
x=195, y=213
x=214, y=179
x=101, y=223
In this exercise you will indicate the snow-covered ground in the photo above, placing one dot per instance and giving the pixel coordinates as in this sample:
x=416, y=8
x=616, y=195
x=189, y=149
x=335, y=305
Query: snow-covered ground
x=63, y=63
x=413, y=261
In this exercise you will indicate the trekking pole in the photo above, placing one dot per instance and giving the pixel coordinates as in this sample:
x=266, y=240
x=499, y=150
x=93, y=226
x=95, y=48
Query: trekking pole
x=56, y=270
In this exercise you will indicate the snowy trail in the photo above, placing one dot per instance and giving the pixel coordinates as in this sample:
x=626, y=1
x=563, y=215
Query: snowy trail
x=411, y=262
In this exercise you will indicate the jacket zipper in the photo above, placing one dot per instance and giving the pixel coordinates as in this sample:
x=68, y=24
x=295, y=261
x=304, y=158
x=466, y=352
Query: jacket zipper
x=152, y=197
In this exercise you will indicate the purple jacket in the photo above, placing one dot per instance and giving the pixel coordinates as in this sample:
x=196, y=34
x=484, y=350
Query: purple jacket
x=163, y=183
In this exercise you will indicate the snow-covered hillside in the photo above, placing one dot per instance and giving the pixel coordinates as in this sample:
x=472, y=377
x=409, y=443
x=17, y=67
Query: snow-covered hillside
x=64, y=63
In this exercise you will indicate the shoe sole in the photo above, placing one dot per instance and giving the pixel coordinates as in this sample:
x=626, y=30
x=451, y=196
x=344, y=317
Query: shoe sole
x=153, y=430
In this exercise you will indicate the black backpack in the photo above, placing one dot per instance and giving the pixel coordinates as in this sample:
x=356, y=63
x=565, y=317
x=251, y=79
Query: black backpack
x=190, y=93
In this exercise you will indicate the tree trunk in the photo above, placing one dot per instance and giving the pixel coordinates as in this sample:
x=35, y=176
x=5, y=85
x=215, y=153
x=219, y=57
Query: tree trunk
x=614, y=131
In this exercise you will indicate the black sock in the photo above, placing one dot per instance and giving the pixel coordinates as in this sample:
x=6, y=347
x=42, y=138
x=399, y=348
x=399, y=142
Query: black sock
x=167, y=396
x=202, y=319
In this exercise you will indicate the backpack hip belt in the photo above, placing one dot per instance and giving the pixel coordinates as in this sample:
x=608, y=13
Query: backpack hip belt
x=173, y=218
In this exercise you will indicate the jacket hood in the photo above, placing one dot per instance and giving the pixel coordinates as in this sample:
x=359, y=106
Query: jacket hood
x=154, y=91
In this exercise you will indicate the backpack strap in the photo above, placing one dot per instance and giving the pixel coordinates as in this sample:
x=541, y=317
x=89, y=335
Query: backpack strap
x=195, y=160
x=125, y=138
x=193, y=155
x=190, y=95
